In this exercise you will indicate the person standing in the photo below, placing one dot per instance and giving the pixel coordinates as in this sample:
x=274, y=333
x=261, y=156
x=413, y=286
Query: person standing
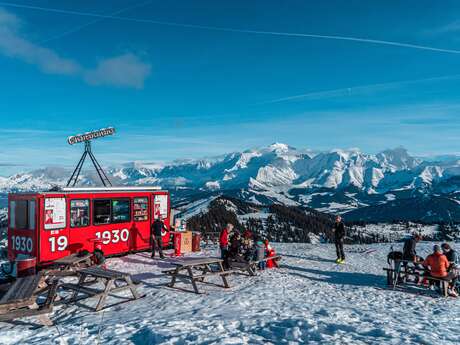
x=156, y=236
x=409, y=252
x=223, y=244
x=339, y=236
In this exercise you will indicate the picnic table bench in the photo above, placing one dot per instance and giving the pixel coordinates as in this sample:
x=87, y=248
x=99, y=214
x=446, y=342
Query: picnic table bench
x=251, y=266
x=21, y=299
x=400, y=268
x=70, y=264
x=197, y=269
x=113, y=282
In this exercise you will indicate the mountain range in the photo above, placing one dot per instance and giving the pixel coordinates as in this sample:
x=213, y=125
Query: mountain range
x=386, y=186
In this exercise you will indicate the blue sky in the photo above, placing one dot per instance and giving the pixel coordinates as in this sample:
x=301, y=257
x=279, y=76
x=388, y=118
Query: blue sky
x=188, y=79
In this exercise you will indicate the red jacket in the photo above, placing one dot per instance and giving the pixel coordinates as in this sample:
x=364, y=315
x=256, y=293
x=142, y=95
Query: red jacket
x=438, y=264
x=223, y=239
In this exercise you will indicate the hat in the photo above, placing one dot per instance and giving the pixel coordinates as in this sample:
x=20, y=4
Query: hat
x=445, y=246
x=436, y=248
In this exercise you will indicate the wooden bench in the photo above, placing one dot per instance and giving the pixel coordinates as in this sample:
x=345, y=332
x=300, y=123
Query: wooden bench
x=204, y=266
x=21, y=298
x=70, y=264
x=113, y=282
x=252, y=266
x=394, y=277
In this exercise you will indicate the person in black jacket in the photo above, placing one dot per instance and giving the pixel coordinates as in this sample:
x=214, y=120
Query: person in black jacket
x=156, y=238
x=339, y=236
x=409, y=253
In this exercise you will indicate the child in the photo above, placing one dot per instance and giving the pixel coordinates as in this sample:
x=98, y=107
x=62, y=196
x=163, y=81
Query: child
x=260, y=254
x=270, y=253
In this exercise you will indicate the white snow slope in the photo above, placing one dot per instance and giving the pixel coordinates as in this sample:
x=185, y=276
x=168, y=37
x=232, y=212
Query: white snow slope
x=309, y=300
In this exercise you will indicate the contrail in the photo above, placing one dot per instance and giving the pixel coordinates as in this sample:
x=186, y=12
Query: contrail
x=80, y=27
x=226, y=29
x=350, y=90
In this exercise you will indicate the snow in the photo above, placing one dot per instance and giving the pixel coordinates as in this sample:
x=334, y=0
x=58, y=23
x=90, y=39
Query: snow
x=390, y=197
x=244, y=159
x=212, y=185
x=196, y=207
x=335, y=207
x=309, y=300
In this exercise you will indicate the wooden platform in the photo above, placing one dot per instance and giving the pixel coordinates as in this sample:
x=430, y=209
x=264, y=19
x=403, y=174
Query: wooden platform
x=21, y=298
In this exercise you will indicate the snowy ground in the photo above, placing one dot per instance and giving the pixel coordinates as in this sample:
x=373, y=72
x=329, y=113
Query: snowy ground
x=309, y=300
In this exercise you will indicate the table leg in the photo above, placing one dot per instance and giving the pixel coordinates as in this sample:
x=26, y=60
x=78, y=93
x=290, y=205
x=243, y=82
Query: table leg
x=174, y=276
x=251, y=270
x=190, y=273
x=108, y=286
x=129, y=281
x=81, y=280
x=224, y=276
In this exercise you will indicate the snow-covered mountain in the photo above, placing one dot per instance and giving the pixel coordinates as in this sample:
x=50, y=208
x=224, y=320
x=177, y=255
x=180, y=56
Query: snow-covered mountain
x=338, y=180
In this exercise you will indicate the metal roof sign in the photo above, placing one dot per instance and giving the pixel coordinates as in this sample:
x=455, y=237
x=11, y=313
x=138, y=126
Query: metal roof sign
x=80, y=138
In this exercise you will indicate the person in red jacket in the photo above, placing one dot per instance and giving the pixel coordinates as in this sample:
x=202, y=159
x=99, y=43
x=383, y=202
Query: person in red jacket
x=270, y=252
x=438, y=266
x=223, y=243
x=437, y=263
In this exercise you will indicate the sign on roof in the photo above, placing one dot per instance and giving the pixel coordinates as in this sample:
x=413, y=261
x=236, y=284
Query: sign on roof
x=79, y=138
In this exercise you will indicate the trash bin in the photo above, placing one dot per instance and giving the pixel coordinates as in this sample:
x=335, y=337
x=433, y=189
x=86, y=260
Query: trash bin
x=25, y=266
x=196, y=239
x=177, y=243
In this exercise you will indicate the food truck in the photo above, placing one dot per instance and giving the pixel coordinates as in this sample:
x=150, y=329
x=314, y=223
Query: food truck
x=115, y=220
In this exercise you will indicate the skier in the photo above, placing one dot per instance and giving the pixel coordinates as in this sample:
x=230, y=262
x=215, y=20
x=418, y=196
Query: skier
x=223, y=243
x=156, y=236
x=339, y=235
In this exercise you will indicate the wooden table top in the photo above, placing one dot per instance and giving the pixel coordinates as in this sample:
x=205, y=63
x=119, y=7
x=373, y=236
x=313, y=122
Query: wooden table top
x=195, y=261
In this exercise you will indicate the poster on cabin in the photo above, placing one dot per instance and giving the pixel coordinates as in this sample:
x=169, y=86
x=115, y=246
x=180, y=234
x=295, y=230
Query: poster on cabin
x=160, y=206
x=55, y=213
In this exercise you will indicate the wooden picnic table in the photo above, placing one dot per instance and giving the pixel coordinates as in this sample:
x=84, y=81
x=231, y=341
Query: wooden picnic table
x=21, y=298
x=70, y=264
x=197, y=269
x=251, y=266
x=402, y=268
x=113, y=281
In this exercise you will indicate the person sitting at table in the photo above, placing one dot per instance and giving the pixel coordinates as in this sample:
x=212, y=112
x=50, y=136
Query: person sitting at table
x=437, y=264
x=453, y=258
x=235, y=245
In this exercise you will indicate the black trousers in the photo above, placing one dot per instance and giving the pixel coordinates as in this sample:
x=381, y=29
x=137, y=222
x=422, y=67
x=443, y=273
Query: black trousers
x=224, y=254
x=157, y=244
x=339, y=249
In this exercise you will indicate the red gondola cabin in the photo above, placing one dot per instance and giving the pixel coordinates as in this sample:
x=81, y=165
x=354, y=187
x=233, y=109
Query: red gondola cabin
x=51, y=225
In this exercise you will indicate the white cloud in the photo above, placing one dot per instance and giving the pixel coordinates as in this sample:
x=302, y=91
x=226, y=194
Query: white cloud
x=448, y=28
x=13, y=45
x=126, y=70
